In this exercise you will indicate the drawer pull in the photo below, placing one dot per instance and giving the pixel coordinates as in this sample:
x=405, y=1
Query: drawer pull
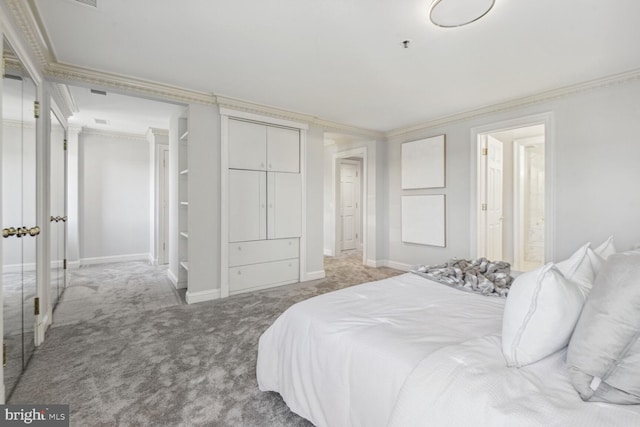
x=239, y=248
x=239, y=272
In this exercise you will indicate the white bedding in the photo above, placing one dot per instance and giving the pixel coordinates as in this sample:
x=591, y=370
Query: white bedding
x=469, y=384
x=340, y=359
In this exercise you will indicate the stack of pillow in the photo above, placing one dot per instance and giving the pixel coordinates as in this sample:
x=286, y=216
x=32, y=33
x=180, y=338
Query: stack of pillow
x=589, y=302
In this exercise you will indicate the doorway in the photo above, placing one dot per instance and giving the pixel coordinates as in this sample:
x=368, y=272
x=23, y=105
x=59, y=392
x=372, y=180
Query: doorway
x=512, y=194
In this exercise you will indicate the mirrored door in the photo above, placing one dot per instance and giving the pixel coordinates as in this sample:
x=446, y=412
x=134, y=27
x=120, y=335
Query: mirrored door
x=18, y=217
x=58, y=218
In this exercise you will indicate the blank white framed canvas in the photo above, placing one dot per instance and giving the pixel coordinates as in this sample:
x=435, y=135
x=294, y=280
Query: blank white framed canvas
x=423, y=163
x=423, y=219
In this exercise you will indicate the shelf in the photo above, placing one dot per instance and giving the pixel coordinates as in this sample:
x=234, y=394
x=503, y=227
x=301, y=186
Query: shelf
x=184, y=136
x=184, y=234
x=185, y=265
x=184, y=172
x=184, y=203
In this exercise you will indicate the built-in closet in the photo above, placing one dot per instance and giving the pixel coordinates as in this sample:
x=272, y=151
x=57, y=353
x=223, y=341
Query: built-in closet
x=264, y=205
x=19, y=228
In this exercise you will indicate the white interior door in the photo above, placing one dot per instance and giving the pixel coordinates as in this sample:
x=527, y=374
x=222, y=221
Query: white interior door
x=533, y=205
x=495, y=216
x=349, y=204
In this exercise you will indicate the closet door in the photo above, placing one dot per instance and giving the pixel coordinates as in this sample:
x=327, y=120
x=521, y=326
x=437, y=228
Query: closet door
x=247, y=145
x=284, y=194
x=283, y=150
x=18, y=218
x=57, y=227
x=247, y=210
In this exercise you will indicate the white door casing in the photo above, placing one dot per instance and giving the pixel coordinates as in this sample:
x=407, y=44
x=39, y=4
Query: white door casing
x=495, y=173
x=163, y=204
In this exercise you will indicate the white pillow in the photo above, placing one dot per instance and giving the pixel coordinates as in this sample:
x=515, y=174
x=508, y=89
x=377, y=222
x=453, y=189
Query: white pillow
x=581, y=268
x=540, y=313
x=606, y=249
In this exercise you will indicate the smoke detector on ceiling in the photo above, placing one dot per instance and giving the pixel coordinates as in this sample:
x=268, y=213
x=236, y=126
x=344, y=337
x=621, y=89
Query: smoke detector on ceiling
x=101, y=121
x=92, y=3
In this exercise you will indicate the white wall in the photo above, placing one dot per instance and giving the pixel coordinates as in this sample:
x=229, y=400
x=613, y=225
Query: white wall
x=113, y=197
x=315, y=201
x=204, y=202
x=597, y=153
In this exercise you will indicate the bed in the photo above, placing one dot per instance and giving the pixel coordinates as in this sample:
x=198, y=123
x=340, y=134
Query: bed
x=408, y=351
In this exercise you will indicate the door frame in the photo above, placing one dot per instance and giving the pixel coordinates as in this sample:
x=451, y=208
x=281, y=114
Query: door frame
x=364, y=192
x=476, y=169
x=162, y=204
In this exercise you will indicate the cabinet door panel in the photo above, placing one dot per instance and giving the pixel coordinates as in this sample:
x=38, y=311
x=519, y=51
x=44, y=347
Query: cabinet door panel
x=244, y=253
x=247, y=211
x=284, y=205
x=247, y=145
x=262, y=275
x=283, y=150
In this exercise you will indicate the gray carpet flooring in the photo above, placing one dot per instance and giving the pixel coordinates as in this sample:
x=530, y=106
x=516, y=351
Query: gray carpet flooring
x=125, y=350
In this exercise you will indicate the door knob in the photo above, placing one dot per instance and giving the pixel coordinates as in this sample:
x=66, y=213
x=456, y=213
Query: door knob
x=7, y=232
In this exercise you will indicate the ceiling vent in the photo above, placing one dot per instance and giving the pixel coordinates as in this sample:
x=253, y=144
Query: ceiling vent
x=92, y=3
x=101, y=121
x=98, y=92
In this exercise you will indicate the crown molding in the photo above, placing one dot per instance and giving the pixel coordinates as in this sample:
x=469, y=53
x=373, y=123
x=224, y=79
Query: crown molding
x=112, y=134
x=66, y=73
x=62, y=99
x=279, y=113
x=603, y=82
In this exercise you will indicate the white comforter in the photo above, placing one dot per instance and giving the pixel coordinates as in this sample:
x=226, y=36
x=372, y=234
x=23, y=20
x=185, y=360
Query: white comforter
x=340, y=359
x=407, y=351
x=469, y=385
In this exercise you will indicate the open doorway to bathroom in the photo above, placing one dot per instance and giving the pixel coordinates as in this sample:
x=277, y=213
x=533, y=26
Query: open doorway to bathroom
x=511, y=190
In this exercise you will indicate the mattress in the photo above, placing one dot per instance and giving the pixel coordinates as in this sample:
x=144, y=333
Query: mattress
x=341, y=359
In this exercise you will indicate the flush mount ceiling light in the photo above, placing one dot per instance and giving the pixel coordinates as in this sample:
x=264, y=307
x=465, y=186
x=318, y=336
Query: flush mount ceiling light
x=456, y=13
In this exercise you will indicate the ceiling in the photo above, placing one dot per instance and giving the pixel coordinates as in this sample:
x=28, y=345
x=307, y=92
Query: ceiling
x=122, y=113
x=344, y=60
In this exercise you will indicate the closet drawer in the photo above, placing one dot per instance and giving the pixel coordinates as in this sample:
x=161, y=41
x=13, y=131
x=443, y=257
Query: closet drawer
x=260, y=251
x=262, y=275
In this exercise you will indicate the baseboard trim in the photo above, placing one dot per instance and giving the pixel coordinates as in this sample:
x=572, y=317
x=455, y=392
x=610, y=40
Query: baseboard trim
x=19, y=268
x=115, y=258
x=373, y=263
x=73, y=265
x=397, y=265
x=201, y=296
x=328, y=252
x=314, y=275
